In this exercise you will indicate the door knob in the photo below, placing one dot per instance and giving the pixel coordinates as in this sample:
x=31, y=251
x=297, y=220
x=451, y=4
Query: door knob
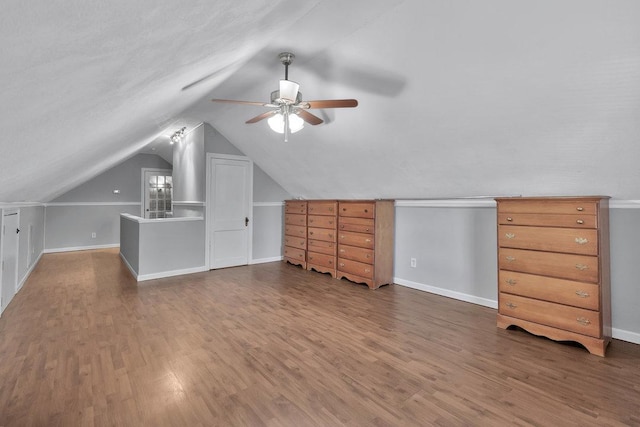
x=246, y=221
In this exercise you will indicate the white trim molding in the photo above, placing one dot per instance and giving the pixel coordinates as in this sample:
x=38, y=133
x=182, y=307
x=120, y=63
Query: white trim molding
x=187, y=203
x=93, y=204
x=447, y=293
x=81, y=248
x=266, y=260
x=447, y=203
x=162, y=274
x=268, y=204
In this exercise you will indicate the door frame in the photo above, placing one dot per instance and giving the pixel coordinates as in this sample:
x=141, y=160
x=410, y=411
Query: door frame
x=209, y=208
x=5, y=212
x=143, y=186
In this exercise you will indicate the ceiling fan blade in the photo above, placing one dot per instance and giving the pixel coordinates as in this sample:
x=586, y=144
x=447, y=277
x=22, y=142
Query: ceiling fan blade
x=262, y=116
x=233, y=101
x=330, y=103
x=309, y=118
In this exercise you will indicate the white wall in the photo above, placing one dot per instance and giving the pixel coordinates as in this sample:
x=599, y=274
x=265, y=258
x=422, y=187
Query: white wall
x=188, y=174
x=455, y=249
x=93, y=207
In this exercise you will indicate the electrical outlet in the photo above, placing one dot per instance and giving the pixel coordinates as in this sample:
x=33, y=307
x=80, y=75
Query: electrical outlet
x=413, y=263
x=93, y=235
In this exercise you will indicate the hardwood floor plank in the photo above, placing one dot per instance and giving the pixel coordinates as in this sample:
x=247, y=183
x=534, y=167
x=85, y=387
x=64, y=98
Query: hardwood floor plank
x=274, y=345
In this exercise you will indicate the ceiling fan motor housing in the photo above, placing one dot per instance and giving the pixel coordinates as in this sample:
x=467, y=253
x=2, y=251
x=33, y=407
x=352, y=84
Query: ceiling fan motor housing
x=275, y=98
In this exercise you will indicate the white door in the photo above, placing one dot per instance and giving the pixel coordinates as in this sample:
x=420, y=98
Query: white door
x=10, y=240
x=230, y=199
x=157, y=193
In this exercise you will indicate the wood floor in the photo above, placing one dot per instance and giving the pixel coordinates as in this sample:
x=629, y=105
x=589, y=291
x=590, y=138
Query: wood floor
x=274, y=345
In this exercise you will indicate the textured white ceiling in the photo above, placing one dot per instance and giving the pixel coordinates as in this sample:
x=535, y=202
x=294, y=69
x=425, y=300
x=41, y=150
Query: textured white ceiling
x=457, y=98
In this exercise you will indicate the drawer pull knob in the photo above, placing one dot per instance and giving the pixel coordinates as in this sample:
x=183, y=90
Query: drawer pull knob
x=342, y=264
x=582, y=240
x=509, y=219
x=511, y=282
x=341, y=251
x=366, y=210
x=311, y=233
x=582, y=294
x=368, y=256
x=581, y=267
x=583, y=321
x=341, y=225
x=579, y=208
x=330, y=262
x=366, y=229
x=579, y=222
x=330, y=235
x=331, y=209
x=510, y=258
x=510, y=236
x=511, y=305
x=367, y=270
x=368, y=240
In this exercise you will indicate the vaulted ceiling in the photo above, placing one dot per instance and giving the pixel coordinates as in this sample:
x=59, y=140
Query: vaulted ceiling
x=457, y=98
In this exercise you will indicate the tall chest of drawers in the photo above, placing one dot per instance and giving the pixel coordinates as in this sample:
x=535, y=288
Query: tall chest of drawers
x=295, y=232
x=365, y=241
x=322, y=223
x=553, y=268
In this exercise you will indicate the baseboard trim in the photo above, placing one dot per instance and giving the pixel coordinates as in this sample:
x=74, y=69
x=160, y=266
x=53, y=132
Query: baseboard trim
x=447, y=293
x=620, y=334
x=133, y=272
x=163, y=274
x=28, y=273
x=265, y=260
x=81, y=248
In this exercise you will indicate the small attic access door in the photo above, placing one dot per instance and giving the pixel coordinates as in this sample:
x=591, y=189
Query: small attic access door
x=9, y=249
x=229, y=210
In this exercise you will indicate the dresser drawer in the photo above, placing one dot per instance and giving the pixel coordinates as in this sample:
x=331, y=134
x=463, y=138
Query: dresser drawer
x=360, y=225
x=322, y=221
x=323, y=260
x=357, y=254
x=573, y=267
x=321, y=234
x=549, y=220
x=321, y=246
x=295, y=230
x=356, y=239
x=295, y=207
x=568, y=292
x=567, y=240
x=323, y=207
x=568, y=318
x=295, y=219
x=354, y=267
x=548, y=206
x=358, y=209
x=294, y=253
x=295, y=242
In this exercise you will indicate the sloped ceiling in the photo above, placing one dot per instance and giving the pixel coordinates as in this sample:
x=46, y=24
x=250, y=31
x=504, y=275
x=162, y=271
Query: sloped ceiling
x=457, y=98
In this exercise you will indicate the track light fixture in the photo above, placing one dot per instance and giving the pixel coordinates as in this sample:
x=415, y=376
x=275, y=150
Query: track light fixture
x=178, y=135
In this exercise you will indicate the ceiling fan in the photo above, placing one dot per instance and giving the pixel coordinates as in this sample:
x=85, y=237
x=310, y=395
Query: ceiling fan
x=288, y=111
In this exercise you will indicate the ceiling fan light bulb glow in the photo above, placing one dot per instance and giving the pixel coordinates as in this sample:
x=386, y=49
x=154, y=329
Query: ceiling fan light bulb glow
x=289, y=90
x=276, y=123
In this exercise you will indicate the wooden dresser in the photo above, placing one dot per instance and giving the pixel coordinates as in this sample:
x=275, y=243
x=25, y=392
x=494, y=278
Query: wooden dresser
x=295, y=232
x=322, y=223
x=553, y=268
x=365, y=241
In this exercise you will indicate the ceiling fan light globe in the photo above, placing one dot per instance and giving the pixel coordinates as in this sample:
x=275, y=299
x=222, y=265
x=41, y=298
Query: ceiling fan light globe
x=276, y=123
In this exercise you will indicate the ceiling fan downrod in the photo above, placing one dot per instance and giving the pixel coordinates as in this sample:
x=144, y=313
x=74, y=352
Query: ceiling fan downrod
x=286, y=58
